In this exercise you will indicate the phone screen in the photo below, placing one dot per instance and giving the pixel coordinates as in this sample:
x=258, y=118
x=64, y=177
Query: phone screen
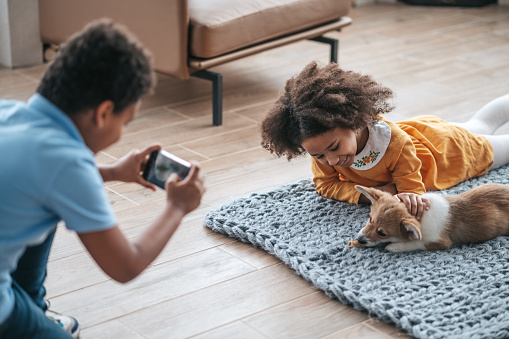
x=161, y=164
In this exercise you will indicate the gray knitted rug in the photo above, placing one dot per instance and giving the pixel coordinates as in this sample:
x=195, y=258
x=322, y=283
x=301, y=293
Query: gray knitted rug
x=462, y=292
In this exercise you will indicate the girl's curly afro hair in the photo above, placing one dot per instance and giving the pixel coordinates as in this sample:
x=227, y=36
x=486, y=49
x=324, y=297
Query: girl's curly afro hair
x=318, y=100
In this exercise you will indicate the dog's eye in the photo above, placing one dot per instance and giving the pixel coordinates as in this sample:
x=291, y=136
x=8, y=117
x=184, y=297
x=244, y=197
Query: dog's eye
x=381, y=233
x=370, y=220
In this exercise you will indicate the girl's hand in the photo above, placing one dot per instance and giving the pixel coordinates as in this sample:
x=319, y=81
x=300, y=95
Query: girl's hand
x=130, y=167
x=185, y=194
x=414, y=203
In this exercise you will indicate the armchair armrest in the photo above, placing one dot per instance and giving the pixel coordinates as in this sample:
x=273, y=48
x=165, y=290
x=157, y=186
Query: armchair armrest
x=162, y=26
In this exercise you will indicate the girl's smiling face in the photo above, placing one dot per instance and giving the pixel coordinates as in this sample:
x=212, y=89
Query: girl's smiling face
x=337, y=147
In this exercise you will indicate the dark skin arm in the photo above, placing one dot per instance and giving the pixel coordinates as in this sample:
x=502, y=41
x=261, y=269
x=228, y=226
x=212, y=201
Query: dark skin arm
x=129, y=167
x=124, y=259
x=414, y=203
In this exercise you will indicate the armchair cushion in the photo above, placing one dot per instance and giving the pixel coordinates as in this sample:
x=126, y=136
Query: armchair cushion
x=221, y=26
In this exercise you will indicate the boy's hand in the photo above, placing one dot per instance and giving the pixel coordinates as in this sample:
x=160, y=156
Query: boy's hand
x=414, y=203
x=130, y=167
x=185, y=194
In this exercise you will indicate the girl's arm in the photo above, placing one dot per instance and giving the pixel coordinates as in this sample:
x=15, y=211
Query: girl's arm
x=329, y=185
x=337, y=188
x=122, y=259
x=405, y=169
x=406, y=173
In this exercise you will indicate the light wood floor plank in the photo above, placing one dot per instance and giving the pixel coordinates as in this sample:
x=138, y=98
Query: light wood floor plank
x=237, y=329
x=256, y=257
x=220, y=304
x=109, y=330
x=311, y=316
x=359, y=331
x=109, y=300
x=171, y=134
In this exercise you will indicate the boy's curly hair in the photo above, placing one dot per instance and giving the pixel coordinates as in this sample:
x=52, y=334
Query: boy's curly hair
x=102, y=62
x=318, y=100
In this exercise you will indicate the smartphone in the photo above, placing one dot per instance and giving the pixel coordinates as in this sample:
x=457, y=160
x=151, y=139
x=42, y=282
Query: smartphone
x=161, y=164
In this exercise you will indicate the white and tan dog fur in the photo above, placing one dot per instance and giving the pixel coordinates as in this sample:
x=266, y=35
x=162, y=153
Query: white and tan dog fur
x=475, y=216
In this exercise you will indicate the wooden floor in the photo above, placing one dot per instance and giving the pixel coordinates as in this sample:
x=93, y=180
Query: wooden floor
x=442, y=61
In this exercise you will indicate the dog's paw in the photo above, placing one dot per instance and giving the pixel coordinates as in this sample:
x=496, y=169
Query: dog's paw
x=396, y=247
x=405, y=246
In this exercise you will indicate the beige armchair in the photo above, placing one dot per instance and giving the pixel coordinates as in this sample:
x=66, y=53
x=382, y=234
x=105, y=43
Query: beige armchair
x=187, y=37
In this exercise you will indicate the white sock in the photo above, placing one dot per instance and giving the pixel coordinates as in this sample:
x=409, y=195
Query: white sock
x=500, y=144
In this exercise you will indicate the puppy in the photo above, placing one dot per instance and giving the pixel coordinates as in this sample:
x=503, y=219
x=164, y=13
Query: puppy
x=475, y=216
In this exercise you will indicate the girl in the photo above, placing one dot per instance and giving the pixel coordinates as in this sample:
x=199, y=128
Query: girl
x=335, y=116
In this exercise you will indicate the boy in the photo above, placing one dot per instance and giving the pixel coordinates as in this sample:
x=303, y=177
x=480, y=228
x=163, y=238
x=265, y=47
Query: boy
x=48, y=173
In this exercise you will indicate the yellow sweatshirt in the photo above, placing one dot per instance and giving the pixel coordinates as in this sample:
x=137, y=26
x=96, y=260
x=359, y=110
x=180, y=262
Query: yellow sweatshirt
x=424, y=153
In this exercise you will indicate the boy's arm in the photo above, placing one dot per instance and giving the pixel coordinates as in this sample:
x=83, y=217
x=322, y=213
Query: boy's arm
x=122, y=259
x=129, y=168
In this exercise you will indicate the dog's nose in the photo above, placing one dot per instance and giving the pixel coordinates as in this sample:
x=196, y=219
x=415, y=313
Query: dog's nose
x=362, y=240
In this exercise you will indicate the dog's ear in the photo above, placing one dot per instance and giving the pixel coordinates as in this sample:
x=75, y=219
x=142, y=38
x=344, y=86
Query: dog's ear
x=371, y=193
x=411, y=229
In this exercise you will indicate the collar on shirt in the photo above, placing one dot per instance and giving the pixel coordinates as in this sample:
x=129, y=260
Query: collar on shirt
x=378, y=141
x=44, y=106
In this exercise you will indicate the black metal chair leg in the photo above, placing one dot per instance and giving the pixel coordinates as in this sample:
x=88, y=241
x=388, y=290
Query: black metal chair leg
x=217, y=94
x=217, y=80
x=334, y=46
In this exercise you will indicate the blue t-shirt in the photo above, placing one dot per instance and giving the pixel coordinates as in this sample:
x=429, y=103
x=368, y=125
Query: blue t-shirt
x=47, y=174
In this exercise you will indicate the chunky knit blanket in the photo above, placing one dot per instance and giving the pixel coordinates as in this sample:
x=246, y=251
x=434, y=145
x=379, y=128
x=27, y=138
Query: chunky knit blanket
x=462, y=292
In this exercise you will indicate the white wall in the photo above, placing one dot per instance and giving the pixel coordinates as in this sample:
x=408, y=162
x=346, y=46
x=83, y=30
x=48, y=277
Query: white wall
x=20, y=43
x=5, y=41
